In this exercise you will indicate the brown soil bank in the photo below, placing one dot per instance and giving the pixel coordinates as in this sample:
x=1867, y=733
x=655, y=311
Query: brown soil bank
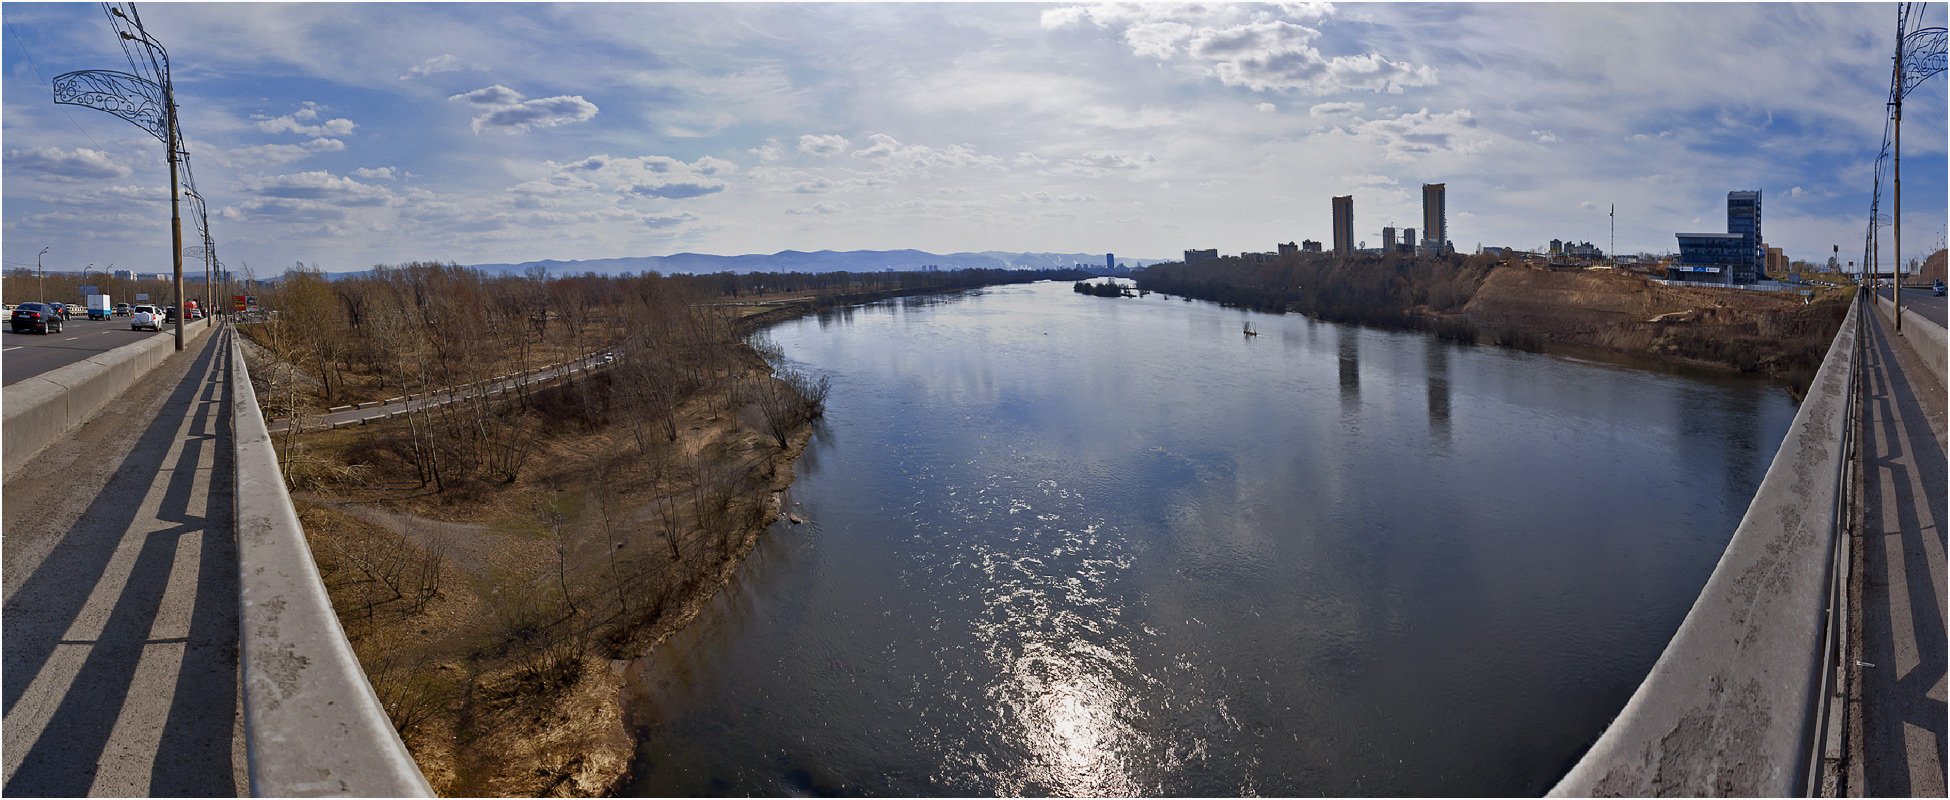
x=1770, y=333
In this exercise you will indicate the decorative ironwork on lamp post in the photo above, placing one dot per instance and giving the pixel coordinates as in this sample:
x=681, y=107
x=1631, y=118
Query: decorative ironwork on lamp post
x=151, y=105
x=1919, y=57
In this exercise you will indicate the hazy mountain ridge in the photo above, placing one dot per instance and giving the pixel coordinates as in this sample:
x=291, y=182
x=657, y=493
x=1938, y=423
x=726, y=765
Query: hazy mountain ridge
x=818, y=261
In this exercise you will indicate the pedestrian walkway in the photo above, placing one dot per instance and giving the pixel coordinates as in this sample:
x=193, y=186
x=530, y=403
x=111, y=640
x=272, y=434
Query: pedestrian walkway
x=1897, y=741
x=120, y=574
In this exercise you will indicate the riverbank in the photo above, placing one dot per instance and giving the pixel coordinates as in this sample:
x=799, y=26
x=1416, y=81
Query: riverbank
x=1477, y=299
x=494, y=617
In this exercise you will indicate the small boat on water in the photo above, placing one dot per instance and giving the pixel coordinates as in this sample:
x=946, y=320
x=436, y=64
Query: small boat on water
x=1250, y=331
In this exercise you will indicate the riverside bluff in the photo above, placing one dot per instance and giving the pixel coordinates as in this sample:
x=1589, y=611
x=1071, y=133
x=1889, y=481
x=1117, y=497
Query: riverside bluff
x=496, y=565
x=1479, y=298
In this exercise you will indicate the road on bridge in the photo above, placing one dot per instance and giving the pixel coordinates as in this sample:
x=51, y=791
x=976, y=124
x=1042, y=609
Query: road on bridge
x=24, y=355
x=1920, y=300
x=120, y=586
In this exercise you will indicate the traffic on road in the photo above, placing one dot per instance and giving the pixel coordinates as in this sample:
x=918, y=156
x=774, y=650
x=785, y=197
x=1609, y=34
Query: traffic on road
x=24, y=355
x=1922, y=301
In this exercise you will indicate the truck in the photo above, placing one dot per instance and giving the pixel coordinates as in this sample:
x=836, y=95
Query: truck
x=100, y=307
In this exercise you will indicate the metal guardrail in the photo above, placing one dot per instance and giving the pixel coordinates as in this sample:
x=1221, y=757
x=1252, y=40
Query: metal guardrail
x=312, y=723
x=1738, y=704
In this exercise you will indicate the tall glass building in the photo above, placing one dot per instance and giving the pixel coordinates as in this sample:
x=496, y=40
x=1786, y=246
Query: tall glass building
x=1344, y=225
x=1737, y=256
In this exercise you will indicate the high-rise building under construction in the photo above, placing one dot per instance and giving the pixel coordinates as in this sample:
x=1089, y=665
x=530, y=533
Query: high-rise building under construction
x=1435, y=217
x=1344, y=225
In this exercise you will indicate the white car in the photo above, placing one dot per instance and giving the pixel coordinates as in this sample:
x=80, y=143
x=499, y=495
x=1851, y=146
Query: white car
x=149, y=317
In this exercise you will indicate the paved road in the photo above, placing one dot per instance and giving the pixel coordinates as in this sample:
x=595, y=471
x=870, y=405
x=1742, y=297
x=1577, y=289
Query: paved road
x=120, y=580
x=1931, y=307
x=24, y=355
x=1899, y=739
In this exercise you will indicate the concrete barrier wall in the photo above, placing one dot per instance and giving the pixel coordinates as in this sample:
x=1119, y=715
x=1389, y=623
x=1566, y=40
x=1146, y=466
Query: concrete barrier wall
x=1732, y=707
x=314, y=726
x=1923, y=337
x=46, y=407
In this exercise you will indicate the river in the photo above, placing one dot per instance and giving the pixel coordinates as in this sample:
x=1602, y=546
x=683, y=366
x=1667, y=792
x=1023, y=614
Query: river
x=1069, y=545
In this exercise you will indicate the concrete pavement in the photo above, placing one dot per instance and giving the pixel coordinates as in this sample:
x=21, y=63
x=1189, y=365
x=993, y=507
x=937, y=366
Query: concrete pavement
x=120, y=579
x=1896, y=726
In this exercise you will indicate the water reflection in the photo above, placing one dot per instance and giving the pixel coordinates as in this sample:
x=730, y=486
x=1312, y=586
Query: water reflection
x=1435, y=365
x=1350, y=364
x=1133, y=556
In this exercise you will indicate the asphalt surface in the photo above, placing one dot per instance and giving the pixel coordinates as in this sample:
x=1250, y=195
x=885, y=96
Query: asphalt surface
x=1898, y=738
x=120, y=579
x=24, y=355
x=1931, y=307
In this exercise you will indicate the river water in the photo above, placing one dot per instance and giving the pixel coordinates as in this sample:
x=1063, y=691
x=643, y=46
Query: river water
x=1060, y=544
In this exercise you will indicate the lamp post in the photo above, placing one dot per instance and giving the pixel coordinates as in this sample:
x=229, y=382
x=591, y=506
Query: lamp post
x=150, y=105
x=43, y=274
x=1919, y=56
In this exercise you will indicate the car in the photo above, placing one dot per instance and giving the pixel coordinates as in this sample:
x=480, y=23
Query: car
x=169, y=314
x=63, y=310
x=146, y=316
x=196, y=313
x=123, y=310
x=38, y=317
x=1936, y=288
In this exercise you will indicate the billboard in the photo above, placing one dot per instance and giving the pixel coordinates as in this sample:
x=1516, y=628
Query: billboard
x=237, y=303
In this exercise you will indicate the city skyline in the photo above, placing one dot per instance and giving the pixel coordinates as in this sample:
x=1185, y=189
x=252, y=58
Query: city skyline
x=360, y=134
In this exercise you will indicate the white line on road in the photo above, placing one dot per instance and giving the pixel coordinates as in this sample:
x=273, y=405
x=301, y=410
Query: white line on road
x=15, y=347
x=71, y=338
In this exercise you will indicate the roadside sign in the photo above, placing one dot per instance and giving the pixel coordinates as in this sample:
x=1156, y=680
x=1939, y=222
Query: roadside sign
x=238, y=303
x=142, y=297
x=90, y=289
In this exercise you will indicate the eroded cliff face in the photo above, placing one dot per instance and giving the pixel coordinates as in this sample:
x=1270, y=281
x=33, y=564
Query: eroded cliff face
x=1771, y=333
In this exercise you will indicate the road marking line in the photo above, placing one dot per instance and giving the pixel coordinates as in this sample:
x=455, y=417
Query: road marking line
x=15, y=347
x=71, y=338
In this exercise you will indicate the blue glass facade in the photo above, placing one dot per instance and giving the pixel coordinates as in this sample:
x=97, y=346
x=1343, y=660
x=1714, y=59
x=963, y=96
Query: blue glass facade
x=1737, y=256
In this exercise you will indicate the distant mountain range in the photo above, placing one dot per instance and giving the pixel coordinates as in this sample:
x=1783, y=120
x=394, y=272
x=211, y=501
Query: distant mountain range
x=821, y=261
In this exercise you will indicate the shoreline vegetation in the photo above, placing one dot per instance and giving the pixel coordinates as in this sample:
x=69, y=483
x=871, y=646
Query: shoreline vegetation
x=1484, y=299
x=496, y=563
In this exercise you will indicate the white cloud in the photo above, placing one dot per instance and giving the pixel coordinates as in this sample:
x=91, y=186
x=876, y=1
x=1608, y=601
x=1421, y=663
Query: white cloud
x=503, y=109
x=1336, y=109
x=1544, y=136
x=445, y=62
x=769, y=152
x=822, y=146
x=1258, y=48
x=1097, y=165
x=81, y=164
x=1266, y=107
x=891, y=153
x=1422, y=133
x=304, y=123
x=643, y=176
x=381, y=173
x=318, y=186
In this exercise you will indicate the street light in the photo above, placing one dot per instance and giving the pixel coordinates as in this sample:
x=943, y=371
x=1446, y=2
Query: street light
x=42, y=273
x=149, y=104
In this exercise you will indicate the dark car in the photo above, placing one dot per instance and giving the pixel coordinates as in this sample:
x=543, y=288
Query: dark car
x=123, y=309
x=36, y=317
x=169, y=314
x=63, y=309
x=1936, y=289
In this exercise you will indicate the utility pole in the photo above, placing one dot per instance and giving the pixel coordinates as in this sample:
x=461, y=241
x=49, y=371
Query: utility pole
x=151, y=105
x=1920, y=56
x=43, y=274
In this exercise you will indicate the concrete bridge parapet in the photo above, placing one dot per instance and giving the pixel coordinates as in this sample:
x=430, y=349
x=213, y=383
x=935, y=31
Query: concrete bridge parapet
x=1737, y=703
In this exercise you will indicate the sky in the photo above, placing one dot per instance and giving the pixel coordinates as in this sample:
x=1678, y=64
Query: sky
x=350, y=135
